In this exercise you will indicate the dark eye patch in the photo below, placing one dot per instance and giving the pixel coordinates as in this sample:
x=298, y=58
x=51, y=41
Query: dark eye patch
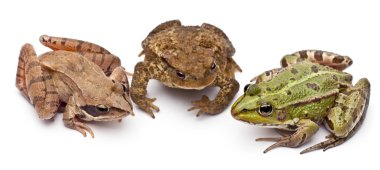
x=94, y=110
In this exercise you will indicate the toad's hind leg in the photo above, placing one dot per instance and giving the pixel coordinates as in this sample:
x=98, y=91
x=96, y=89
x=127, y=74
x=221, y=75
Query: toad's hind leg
x=346, y=117
x=36, y=83
x=96, y=53
x=330, y=59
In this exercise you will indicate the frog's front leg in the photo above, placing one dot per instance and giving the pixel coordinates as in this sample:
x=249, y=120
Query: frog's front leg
x=96, y=53
x=228, y=89
x=346, y=117
x=330, y=59
x=70, y=118
x=36, y=83
x=142, y=74
x=305, y=130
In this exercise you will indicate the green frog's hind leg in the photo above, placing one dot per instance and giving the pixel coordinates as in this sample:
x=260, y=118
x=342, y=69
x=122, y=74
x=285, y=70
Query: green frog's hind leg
x=333, y=60
x=36, y=84
x=346, y=117
x=96, y=53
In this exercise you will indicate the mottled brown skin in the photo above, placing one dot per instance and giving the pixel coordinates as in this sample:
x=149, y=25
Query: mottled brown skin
x=187, y=57
x=68, y=79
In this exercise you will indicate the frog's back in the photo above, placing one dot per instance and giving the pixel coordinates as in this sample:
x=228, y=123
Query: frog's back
x=305, y=83
x=74, y=66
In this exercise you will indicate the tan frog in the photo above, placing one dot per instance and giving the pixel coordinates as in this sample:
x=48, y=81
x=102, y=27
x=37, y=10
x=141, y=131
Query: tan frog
x=73, y=76
x=187, y=57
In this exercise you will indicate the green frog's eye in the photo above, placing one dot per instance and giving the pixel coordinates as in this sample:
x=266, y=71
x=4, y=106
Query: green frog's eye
x=102, y=108
x=246, y=87
x=265, y=110
x=180, y=75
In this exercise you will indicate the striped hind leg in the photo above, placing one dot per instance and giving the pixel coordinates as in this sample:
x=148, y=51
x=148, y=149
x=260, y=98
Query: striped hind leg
x=346, y=117
x=36, y=83
x=96, y=53
x=330, y=59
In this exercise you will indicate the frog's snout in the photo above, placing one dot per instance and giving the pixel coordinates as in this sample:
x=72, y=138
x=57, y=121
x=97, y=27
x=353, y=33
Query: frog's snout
x=234, y=109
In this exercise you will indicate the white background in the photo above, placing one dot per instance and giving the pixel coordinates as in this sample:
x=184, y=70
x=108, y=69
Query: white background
x=262, y=32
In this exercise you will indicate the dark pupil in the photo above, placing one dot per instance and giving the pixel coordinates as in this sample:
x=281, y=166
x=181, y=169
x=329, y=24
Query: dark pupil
x=101, y=109
x=213, y=66
x=180, y=75
x=246, y=87
x=124, y=88
x=266, y=109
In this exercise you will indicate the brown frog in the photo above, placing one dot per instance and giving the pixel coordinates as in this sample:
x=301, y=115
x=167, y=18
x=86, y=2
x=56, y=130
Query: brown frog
x=187, y=57
x=73, y=78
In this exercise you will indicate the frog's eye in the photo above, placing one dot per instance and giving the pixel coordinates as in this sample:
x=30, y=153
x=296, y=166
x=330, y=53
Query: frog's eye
x=246, y=87
x=180, y=75
x=213, y=66
x=102, y=108
x=125, y=89
x=265, y=110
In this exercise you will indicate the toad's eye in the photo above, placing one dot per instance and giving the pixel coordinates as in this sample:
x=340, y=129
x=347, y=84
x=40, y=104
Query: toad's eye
x=246, y=87
x=102, y=108
x=180, y=75
x=265, y=110
x=213, y=66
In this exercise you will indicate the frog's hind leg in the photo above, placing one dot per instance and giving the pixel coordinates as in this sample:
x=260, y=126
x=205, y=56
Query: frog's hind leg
x=36, y=83
x=96, y=53
x=330, y=59
x=346, y=117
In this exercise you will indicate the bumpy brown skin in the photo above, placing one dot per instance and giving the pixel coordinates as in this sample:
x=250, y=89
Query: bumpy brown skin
x=187, y=57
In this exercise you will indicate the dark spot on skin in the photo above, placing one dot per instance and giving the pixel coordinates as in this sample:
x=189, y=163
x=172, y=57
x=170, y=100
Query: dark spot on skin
x=314, y=69
x=281, y=115
x=284, y=63
x=288, y=92
x=292, y=127
x=268, y=89
x=267, y=73
x=355, y=116
x=294, y=71
x=318, y=55
x=312, y=86
x=303, y=138
x=303, y=54
x=349, y=78
x=275, y=99
x=306, y=115
x=330, y=124
x=337, y=59
x=54, y=42
x=335, y=77
x=292, y=79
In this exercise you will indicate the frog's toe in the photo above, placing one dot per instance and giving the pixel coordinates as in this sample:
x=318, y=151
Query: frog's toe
x=331, y=142
x=82, y=128
x=201, y=104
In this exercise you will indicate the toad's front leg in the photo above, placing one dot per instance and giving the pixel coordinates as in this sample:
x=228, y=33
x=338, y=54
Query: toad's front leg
x=140, y=80
x=228, y=89
x=71, y=120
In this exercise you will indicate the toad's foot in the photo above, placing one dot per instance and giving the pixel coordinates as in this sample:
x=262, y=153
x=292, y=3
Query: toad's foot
x=147, y=105
x=204, y=105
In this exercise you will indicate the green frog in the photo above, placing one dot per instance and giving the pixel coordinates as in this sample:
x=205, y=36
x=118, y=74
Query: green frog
x=310, y=89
